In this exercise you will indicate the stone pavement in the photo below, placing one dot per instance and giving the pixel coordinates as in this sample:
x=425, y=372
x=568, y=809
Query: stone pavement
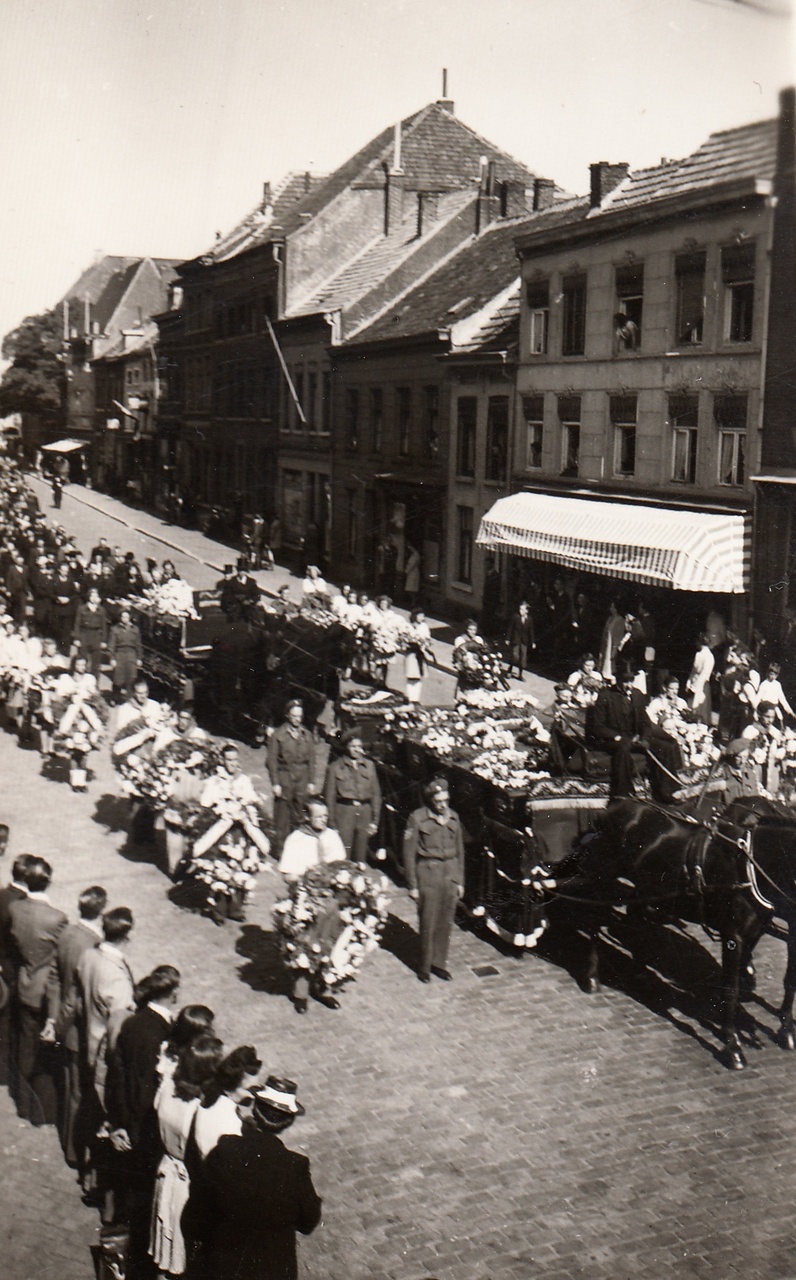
x=87, y=514
x=501, y=1127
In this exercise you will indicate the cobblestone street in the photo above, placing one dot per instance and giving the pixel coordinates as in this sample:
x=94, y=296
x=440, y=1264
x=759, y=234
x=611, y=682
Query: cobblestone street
x=502, y=1127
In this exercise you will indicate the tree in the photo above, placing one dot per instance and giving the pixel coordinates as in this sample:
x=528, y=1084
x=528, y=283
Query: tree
x=35, y=380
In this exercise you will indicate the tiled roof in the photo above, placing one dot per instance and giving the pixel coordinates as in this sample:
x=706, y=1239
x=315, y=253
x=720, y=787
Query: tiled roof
x=461, y=286
x=258, y=225
x=746, y=152
x=94, y=279
x=379, y=258
x=128, y=343
x=438, y=153
x=499, y=331
x=112, y=294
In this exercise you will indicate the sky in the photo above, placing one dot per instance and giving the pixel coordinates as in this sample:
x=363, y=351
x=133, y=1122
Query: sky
x=142, y=129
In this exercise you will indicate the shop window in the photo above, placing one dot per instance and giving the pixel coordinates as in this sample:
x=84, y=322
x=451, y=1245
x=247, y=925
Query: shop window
x=738, y=279
x=466, y=425
x=684, y=419
x=689, y=274
x=569, y=417
x=377, y=418
x=730, y=414
x=404, y=410
x=629, y=307
x=352, y=416
x=573, y=336
x=623, y=418
x=431, y=424
x=538, y=297
x=497, y=438
x=464, y=560
x=533, y=414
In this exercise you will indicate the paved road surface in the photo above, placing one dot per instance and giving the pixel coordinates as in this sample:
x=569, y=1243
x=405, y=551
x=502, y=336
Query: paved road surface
x=501, y=1127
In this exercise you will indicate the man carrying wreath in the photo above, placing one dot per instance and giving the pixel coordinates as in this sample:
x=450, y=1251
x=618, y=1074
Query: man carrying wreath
x=311, y=845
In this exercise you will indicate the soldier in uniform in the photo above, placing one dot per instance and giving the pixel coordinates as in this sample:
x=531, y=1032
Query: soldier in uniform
x=434, y=869
x=291, y=768
x=353, y=796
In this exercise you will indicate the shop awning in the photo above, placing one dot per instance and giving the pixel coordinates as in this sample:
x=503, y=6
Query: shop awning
x=661, y=546
x=64, y=446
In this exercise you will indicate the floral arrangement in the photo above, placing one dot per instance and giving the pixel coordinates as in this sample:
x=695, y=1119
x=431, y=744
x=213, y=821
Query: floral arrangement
x=479, y=667
x=510, y=769
x=360, y=902
x=157, y=778
x=174, y=597
x=498, y=699
x=231, y=864
x=133, y=765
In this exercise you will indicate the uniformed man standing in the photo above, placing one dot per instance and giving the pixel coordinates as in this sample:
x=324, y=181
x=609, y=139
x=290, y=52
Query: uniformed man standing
x=291, y=768
x=353, y=796
x=434, y=869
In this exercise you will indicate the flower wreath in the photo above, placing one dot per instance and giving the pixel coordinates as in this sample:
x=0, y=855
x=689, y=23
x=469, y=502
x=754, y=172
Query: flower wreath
x=132, y=765
x=157, y=777
x=361, y=904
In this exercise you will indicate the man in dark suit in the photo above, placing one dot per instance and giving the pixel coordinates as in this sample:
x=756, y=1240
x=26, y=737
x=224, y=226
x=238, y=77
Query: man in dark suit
x=521, y=639
x=434, y=870
x=17, y=888
x=36, y=927
x=620, y=726
x=291, y=767
x=130, y=1093
x=76, y=938
x=255, y=1194
x=353, y=797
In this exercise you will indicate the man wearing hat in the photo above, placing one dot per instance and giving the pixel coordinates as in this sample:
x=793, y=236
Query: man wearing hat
x=434, y=869
x=291, y=768
x=255, y=1194
x=353, y=796
x=240, y=596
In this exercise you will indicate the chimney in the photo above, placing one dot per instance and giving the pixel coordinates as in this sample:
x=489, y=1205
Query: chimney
x=266, y=200
x=393, y=199
x=445, y=102
x=604, y=178
x=396, y=159
x=487, y=206
x=307, y=182
x=544, y=190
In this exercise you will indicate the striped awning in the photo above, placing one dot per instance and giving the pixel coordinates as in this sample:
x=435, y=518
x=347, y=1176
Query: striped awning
x=662, y=546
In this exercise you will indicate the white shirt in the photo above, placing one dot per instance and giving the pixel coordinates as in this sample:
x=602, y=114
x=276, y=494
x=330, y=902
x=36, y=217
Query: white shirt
x=216, y=1122
x=304, y=849
x=151, y=712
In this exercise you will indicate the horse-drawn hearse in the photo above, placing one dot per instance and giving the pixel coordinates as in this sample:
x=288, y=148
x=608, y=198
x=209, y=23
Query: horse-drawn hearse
x=557, y=853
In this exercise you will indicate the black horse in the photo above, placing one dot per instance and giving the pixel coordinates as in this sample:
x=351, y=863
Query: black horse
x=731, y=875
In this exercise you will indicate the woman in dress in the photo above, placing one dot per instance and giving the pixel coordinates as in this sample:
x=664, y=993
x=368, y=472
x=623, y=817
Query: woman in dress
x=217, y=1116
x=81, y=724
x=698, y=684
x=384, y=639
x=613, y=631
x=91, y=630
x=418, y=653
x=176, y=1103
x=126, y=651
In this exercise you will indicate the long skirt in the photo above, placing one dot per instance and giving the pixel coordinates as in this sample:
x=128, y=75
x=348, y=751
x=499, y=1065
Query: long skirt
x=166, y=1241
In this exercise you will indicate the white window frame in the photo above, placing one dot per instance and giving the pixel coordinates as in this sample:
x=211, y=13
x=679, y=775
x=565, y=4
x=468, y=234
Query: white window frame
x=738, y=438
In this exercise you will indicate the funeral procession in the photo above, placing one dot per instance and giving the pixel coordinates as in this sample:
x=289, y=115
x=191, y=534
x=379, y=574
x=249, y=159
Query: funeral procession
x=398, y=644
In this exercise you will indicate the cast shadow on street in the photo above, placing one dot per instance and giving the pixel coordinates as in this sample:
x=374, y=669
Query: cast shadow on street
x=141, y=843
x=401, y=940
x=662, y=969
x=264, y=968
